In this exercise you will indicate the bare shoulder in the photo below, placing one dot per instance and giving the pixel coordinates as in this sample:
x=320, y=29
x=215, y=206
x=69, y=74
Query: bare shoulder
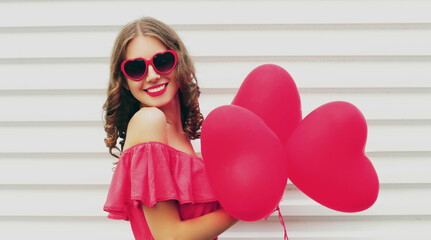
x=147, y=125
x=148, y=115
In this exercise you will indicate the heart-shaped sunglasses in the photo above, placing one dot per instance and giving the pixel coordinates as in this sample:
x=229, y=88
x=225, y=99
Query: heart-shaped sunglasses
x=163, y=63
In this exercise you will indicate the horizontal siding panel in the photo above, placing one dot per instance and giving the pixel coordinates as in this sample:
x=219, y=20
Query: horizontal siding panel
x=48, y=201
x=382, y=137
x=94, y=73
x=402, y=168
x=299, y=228
x=297, y=42
x=53, y=106
x=86, y=105
x=55, y=75
x=95, y=169
x=331, y=74
x=56, y=139
x=63, y=201
x=65, y=228
x=58, y=169
x=375, y=105
x=379, y=228
x=41, y=13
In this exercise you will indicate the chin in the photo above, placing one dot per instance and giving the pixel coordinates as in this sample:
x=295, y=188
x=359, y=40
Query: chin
x=159, y=101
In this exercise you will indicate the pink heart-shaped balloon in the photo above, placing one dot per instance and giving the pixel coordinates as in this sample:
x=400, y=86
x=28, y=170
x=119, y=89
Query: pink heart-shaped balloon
x=270, y=92
x=245, y=162
x=326, y=158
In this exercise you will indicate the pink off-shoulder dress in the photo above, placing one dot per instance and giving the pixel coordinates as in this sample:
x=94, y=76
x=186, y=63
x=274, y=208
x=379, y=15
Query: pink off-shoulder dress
x=150, y=172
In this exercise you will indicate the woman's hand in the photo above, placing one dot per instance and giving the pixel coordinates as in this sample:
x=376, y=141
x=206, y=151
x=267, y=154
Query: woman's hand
x=165, y=223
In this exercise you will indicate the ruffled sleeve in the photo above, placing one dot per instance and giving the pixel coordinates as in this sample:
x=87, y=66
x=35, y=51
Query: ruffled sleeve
x=150, y=172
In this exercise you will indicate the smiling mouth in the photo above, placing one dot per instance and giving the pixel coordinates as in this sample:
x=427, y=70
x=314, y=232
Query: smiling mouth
x=156, y=88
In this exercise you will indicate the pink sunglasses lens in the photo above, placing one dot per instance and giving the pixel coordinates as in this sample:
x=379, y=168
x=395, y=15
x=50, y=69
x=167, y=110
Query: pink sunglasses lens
x=135, y=69
x=165, y=62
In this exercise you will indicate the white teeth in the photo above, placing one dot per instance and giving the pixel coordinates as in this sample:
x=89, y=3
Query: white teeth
x=156, y=89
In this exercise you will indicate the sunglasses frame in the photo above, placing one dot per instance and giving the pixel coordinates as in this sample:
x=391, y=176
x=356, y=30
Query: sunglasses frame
x=147, y=63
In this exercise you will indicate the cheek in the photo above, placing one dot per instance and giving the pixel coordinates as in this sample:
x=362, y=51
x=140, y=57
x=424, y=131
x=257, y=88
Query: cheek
x=174, y=87
x=134, y=84
x=173, y=79
x=134, y=87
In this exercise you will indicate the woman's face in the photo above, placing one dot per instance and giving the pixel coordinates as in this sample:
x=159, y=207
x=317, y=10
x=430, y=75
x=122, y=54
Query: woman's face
x=165, y=86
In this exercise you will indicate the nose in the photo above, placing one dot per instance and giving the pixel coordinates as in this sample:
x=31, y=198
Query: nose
x=152, y=75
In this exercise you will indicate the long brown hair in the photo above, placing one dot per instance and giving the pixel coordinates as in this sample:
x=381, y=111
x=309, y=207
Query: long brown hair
x=121, y=105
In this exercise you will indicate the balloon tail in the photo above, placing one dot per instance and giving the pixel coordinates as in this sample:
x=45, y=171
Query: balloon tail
x=280, y=217
x=282, y=222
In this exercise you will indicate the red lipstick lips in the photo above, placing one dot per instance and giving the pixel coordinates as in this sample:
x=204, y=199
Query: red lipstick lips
x=152, y=92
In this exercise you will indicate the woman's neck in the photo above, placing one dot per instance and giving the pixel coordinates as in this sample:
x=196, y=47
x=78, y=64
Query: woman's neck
x=172, y=112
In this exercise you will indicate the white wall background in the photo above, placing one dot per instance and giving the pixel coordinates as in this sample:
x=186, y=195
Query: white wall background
x=54, y=60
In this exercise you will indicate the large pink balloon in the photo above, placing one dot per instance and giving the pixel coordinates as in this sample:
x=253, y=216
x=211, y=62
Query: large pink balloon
x=326, y=158
x=270, y=92
x=245, y=162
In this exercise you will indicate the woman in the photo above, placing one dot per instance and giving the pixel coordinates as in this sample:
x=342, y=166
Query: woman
x=159, y=183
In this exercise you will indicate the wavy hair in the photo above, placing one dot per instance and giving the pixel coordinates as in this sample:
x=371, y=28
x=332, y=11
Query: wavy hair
x=121, y=105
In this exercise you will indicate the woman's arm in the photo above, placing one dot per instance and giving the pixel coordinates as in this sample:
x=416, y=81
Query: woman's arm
x=149, y=124
x=165, y=223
